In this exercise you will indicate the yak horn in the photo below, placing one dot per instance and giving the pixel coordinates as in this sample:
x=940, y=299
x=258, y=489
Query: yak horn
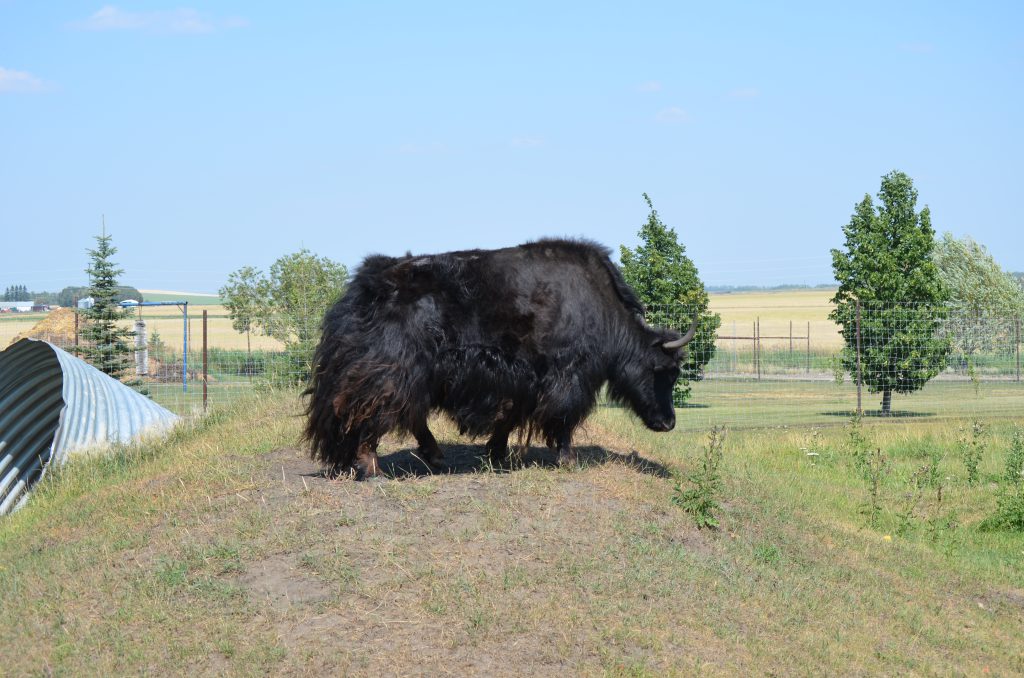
x=683, y=340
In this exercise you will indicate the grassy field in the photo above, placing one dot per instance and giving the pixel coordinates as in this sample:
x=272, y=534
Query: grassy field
x=736, y=403
x=222, y=551
x=192, y=298
x=751, y=403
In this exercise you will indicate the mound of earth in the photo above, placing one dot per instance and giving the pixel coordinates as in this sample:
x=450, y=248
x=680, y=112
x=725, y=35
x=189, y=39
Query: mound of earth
x=58, y=328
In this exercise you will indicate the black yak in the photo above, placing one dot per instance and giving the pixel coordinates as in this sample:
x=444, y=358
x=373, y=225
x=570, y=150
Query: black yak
x=522, y=337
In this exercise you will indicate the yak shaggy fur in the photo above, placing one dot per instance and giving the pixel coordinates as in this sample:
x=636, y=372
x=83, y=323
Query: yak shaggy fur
x=516, y=338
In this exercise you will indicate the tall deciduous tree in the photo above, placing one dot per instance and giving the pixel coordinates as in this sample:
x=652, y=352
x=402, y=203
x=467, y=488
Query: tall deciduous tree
x=289, y=304
x=105, y=338
x=667, y=283
x=887, y=265
x=985, y=300
x=302, y=286
x=246, y=296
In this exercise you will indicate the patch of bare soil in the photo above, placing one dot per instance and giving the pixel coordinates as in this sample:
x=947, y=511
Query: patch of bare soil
x=278, y=581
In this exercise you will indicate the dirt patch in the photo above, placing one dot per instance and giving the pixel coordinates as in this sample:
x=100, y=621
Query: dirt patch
x=1011, y=599
x=279, y=581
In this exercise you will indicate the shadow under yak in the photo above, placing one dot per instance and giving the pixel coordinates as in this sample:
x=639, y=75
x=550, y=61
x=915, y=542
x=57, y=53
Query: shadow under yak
x=461, y=459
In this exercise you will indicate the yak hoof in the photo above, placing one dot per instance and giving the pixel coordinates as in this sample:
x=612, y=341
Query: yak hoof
x=367, y=471
x=435, y=458
x=568, y=459
x=366, y=474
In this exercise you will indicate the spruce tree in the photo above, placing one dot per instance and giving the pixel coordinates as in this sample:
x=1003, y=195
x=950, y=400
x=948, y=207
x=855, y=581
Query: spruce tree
x=668, y=285
x=888, y=266
x=104, y=337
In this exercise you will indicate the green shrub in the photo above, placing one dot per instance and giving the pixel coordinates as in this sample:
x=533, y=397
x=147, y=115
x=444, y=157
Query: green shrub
x=1009, y=513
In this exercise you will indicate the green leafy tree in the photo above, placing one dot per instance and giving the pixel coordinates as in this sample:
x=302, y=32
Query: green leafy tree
x=247, y=300
x=985, y=300
x=667, y=283
x=301, y=287
x=887, y=265
x=288, y=305
x=104, y=337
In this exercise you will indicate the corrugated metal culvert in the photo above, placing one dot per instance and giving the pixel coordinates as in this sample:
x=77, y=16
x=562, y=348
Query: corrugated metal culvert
x=52, y=404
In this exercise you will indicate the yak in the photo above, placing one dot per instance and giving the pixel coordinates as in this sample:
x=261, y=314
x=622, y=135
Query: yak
x=515, y=338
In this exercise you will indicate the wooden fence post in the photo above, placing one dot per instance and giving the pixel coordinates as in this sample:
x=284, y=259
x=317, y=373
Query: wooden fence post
x=205, y=371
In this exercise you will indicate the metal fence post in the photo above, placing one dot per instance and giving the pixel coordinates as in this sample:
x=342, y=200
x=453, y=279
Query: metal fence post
x=859, y=380
x=184, y=350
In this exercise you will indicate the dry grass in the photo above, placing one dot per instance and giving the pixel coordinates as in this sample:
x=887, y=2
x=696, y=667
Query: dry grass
x=224, y=552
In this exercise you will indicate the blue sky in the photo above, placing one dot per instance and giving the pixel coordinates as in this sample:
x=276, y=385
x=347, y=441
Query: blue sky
x=216, y=135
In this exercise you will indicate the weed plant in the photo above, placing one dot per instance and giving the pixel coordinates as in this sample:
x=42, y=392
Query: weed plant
x=701, y=500
x=972, y=449
x=877, y=467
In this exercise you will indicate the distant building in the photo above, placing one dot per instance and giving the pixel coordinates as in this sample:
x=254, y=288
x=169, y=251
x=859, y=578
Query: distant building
x=86, y=303
x=16, y=306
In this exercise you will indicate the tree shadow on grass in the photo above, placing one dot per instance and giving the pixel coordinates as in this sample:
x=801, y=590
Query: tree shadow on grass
x=473, y=459
x=894, y=414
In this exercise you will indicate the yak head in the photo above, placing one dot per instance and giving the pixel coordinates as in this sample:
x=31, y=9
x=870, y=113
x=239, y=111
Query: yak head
x=646, y=378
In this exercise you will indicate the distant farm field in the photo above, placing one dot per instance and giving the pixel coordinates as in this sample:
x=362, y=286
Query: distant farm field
x=168, y=321
x=780, y=314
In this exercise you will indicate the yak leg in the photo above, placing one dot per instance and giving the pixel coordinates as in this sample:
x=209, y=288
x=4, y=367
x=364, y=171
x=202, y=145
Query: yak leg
x=432, y=454
x=367, y=464
x=566, y=453
x=497, y=446
x=504, y=422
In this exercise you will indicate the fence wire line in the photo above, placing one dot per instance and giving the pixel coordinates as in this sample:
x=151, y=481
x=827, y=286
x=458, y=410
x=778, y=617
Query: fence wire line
x=761, y=370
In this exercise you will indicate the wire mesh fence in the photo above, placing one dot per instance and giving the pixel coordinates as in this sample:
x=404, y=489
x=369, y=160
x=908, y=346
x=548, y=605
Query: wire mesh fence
x=762, y=367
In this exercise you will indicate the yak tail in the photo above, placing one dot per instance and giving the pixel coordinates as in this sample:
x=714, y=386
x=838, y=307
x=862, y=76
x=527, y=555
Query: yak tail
x=323, y=432
x=352, y=398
